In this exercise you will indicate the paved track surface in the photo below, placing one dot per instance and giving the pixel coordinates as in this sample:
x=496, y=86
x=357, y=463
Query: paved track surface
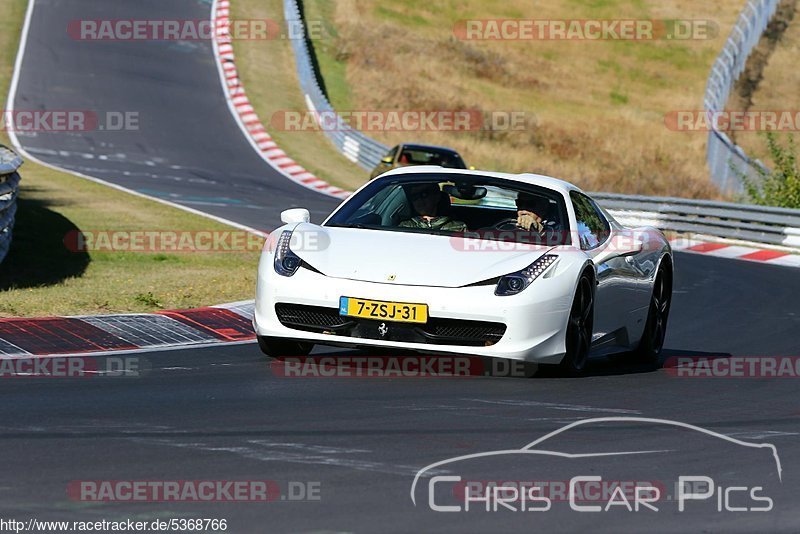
x=221, y=413
x=188, y=148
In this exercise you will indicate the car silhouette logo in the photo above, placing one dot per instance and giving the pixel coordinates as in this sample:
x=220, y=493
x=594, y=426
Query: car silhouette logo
x=535, y=447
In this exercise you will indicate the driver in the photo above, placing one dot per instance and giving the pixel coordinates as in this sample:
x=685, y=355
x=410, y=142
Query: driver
x=427, y=200
x=530, y=209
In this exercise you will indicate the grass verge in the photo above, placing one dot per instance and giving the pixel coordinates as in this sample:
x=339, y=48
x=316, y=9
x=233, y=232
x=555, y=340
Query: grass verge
x=599, y=106
x=267, y=70
x=775, y=85
x=41, y=277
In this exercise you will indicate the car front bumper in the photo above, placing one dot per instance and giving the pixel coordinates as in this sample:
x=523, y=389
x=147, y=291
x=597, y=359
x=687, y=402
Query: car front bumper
x=535, y=319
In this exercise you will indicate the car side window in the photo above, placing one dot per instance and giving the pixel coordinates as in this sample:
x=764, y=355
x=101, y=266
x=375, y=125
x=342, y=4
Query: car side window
x=593, y=228
x=392, y=153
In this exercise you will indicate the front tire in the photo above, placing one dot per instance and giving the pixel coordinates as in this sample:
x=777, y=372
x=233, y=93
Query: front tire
x=655, y=331
x=277, y=347
x=580, y=328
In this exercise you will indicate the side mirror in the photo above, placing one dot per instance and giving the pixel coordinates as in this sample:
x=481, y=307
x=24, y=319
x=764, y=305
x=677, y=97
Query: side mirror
x=295, y=215
x=387, y=160
x=622, y=244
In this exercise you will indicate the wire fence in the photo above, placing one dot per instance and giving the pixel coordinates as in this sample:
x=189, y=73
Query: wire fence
x=770, y=226
x=727, y=162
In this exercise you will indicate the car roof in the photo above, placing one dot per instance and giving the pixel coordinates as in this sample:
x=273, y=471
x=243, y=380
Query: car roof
x=540, y=180
x=414, y=146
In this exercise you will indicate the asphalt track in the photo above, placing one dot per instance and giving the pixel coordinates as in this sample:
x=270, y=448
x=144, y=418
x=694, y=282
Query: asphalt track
x=186, y=147
x=222, y=413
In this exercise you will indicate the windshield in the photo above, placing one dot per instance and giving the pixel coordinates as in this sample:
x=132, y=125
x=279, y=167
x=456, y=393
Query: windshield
x=419, y=155
x=472, y=206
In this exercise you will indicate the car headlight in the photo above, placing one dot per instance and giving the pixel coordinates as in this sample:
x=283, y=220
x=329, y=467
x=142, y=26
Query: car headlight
x=286, y=262
x=514, y=283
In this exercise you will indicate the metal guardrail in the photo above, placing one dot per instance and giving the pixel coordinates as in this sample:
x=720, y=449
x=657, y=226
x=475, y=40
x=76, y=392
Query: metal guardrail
x=9, y=188
x=356, y=146
x=757, y=224
x=727, y=161
x=771, y=226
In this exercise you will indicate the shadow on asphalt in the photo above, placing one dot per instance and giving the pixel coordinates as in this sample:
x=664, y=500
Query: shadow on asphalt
x=626, y=364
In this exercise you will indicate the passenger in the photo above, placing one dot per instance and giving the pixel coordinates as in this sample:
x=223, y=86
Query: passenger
x=430, y=203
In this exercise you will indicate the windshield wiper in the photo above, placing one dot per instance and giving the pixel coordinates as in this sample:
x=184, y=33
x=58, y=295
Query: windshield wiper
x=351, y=225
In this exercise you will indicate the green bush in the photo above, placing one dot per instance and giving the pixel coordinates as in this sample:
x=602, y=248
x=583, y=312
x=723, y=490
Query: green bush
x=781, y=185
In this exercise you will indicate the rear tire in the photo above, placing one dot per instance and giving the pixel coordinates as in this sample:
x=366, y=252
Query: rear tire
x=655, y=331
x=277, y=347
x=580, y=328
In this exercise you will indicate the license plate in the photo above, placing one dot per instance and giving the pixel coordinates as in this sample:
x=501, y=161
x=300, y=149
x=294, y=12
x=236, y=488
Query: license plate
x=400, y=312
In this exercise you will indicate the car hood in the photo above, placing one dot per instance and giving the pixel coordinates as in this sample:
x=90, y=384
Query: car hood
x=408, y=258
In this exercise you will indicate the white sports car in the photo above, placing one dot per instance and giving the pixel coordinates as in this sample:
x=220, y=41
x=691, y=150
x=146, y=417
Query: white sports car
x=453, y=261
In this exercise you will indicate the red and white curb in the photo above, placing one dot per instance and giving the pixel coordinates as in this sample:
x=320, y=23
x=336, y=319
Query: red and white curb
x=735, y=251
x=246, y=116
x=132, y=332
x=223, y=324
x=265, y=145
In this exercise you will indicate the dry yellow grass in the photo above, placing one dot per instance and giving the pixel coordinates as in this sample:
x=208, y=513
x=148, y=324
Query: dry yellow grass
x=599, y=106
x=41, y=277
x=778, y=90
x=268, y=73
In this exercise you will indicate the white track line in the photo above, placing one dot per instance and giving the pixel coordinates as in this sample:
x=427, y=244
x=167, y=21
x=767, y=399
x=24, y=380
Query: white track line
x=12, y=94
x=249, y=123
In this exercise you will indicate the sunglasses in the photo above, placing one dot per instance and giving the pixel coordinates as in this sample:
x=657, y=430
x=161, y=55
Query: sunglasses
x=422, y=195
x=532, y=205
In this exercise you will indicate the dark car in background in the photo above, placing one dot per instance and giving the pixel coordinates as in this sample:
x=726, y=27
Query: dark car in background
x=409, y=154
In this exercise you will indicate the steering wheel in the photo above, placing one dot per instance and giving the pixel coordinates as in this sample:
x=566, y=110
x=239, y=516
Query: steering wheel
x=548, y=235
x=505, y=222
